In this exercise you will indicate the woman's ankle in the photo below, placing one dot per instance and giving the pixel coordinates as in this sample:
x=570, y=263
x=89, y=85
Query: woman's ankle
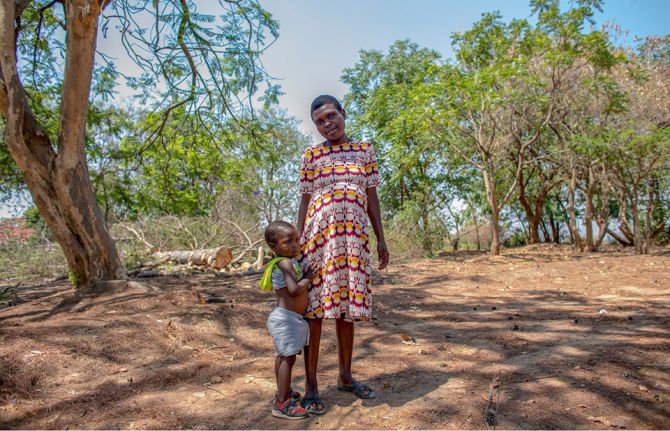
x=345, y=379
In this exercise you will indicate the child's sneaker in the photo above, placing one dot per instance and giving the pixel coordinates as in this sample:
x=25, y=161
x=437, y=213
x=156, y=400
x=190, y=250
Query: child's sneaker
x=295, y=395
x=289, y=409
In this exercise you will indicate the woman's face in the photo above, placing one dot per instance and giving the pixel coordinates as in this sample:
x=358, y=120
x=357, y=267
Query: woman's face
x=330, y=123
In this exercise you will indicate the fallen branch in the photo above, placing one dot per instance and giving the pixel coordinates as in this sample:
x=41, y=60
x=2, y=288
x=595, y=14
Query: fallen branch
x=140, y=236
x=249, y=249
x=141, y=268
x=216, y=258
x=491, y=409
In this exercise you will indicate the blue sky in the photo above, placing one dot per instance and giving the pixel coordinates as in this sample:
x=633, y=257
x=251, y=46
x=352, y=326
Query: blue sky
x=318, y=39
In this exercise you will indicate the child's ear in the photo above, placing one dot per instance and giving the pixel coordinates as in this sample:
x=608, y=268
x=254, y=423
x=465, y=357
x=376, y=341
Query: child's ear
x=344, y=114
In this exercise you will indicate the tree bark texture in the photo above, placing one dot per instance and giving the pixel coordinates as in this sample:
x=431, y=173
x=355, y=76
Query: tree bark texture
x=534, y=212
x=624, y=227
x=490, y=185
x=59, y=180
x=621, y=240
x=588, y=213
x=555, y=227
x=577, y=239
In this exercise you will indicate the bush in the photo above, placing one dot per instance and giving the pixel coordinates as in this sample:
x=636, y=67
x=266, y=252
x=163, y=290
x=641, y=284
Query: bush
x=516, y=239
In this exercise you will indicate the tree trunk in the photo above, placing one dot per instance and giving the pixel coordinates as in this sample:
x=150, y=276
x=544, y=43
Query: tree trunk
x=474, y=221
x=621, y=240
x=489, y=183
x=534, y=219
x=603, y=215
x=545, y=231
x=648, y=222
x=565, y=211
x=495, y=233
x=555, y=228
x=637, y=229
x=623, y=220
x=59, y=181
x=571, y=211
x=588, y=214
x=426, y=243
x=454, y=241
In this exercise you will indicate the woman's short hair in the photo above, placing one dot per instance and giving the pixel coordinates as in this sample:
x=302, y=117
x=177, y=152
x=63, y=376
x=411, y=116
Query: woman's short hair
x=323, y=100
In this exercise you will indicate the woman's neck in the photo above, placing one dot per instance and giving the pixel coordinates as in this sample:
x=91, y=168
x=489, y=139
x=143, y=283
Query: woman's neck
x=343, y=140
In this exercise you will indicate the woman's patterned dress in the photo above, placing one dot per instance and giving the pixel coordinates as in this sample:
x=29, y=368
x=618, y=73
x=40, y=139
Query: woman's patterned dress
x=335, y=235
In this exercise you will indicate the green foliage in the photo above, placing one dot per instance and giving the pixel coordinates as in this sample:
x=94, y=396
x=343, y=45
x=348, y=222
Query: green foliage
x=517, y=239
x=539, y=97
x=28, y=262
x=448, y=133
x=386, y=106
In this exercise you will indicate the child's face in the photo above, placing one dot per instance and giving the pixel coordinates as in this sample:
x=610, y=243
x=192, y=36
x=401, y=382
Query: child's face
x=329, y=122
x=288, y=244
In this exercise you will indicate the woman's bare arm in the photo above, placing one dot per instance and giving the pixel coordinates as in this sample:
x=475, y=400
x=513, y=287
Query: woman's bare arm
x=302, y=212
x=375, y=214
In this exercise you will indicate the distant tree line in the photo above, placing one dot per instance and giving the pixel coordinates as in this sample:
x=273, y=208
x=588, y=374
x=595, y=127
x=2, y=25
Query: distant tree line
x=547, y=125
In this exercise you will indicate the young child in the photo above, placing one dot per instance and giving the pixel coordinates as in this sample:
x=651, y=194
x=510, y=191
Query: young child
x=289, y=331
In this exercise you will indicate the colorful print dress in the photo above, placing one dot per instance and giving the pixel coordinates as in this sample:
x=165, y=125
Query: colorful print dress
x=335, y=235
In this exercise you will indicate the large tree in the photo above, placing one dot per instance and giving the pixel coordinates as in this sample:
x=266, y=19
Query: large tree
x=385, y=107
x=189, y=60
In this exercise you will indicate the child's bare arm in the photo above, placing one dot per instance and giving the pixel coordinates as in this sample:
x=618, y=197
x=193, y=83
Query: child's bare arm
x=304, y=283
x=293, y=286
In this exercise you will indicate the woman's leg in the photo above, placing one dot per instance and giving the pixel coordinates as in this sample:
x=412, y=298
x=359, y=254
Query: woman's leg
x=312, y=358
x=345, y=347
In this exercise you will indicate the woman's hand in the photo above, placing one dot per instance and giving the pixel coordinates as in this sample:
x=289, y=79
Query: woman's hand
x=308, y=274
x=383, y=254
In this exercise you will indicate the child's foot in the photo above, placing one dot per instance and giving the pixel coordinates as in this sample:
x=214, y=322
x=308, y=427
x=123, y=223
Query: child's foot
x=289, y=409
x=295, y=395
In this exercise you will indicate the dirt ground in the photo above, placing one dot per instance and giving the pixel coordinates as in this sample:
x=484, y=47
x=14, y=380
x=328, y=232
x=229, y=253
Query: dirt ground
x=444, y=328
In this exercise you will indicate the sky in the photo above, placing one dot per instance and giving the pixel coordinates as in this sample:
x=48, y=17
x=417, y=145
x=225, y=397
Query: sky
x=319, y=39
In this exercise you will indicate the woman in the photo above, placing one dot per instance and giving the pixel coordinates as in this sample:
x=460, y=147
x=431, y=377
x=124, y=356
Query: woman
x=338, y=184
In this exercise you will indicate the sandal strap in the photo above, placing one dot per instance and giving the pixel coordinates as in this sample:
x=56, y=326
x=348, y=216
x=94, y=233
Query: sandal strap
x=362, y=387
x=306, y=402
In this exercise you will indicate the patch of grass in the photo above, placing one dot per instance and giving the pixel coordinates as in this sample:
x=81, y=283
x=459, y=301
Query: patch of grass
x=29, y=262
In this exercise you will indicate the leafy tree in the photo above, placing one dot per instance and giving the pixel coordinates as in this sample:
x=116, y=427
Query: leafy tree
x=385, y=108
x=490, y=105
x=189, y=60
x=272, y=175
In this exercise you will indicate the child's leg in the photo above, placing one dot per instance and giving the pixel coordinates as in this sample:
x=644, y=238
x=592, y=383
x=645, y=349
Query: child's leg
x=283, y=367
x=277, y=363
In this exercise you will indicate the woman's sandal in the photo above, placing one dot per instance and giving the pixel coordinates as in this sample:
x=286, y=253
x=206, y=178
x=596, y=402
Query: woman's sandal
x=361, y=390
x=314, y=405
